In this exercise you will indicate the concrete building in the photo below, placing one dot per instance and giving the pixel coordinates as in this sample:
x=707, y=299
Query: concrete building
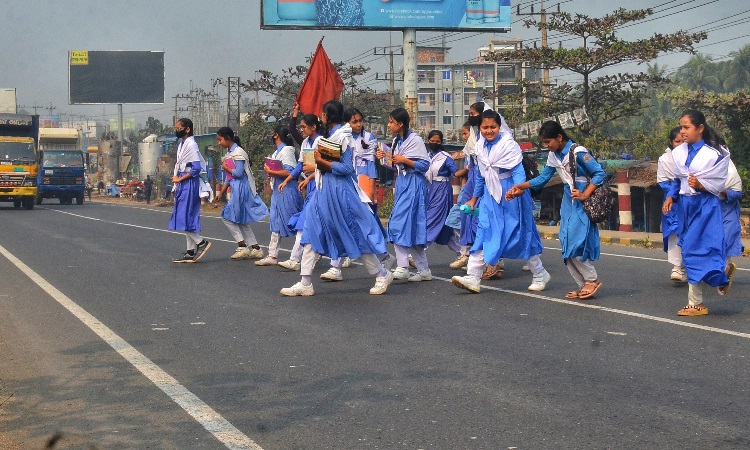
x=447, y=89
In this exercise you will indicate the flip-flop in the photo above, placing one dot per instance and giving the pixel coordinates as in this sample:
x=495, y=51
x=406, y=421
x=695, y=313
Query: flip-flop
x=730, y=270
x=588, y=292
x=572, y=294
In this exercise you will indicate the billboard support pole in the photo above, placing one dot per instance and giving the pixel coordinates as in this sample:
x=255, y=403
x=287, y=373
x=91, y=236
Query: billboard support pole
x=410, y=74
x=119, y=133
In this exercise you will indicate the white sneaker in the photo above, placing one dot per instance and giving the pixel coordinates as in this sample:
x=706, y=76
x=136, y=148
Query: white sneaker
x=290, y=264
x=298, y=289
x=241, y=253
x=422, y=275
x=459, y=262
x=526, y=268
x=346, y=262
x=267, y=261
x=539, y=282
x=401, y=273
x=678, y=275
x=382, y=283
x=389, y=262
x=255, y=253
x=333, y=274
x=468, y=282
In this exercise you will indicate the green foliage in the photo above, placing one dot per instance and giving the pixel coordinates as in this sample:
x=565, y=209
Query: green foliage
x=255, y=137
x=605, y=98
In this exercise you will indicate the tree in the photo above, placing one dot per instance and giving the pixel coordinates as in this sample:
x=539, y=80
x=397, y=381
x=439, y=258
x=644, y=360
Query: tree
x=738, y=70
x=605, y=98
x=701, y=73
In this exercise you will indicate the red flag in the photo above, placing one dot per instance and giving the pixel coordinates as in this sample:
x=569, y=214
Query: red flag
x=322, y=83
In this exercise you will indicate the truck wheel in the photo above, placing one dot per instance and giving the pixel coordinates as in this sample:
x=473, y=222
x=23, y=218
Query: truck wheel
x=28, y=202
x=79, y=199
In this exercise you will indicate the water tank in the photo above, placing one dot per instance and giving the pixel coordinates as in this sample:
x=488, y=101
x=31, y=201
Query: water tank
x=148, y=157
x=108, y=160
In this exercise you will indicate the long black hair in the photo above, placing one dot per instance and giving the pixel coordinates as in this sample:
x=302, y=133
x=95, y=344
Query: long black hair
x=228, y=133
x=313, y=121
x=187, y=123
x=284, y=134
x=478, y=107
x=710, y=137
x=351, y=112
x=672, y=136
x=551, y=129
x=334, y=111
x=402, y=116
x=435, y=133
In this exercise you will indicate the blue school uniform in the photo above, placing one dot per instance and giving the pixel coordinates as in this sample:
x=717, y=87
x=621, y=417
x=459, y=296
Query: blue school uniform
x=338, y=224
x=297, y=222
x=186, y=213
x=364, y=158
x=506, y=228
x=730, y=213
x=469, y=222
x=287, y=203
x=701, y=217
x=243, y=206
x=579, y=237
x=440, y=202
x=407, y=225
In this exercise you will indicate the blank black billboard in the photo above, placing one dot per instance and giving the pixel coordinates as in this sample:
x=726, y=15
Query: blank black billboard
x=116, y=77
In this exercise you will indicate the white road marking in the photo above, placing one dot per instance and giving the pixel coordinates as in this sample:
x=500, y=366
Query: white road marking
x=214, y=423
x=522, y=293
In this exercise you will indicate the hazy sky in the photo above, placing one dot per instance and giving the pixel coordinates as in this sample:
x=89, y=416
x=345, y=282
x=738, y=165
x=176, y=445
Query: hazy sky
x=203, y=40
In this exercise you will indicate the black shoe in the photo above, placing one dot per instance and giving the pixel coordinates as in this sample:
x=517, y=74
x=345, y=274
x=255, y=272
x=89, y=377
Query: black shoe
x=185, y=258
x=201, y=249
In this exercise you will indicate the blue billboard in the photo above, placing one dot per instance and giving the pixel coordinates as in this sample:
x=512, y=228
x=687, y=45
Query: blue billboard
x=436, y=15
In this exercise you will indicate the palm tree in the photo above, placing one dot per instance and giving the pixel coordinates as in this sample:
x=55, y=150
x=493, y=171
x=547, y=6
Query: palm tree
x=700, y=73
x=738, y=70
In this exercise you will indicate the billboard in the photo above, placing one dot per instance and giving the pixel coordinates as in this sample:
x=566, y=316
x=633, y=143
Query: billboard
x=436, y=15
x=8, y=101
x=105, y=77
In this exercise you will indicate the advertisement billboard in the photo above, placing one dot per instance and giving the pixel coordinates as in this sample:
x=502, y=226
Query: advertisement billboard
x=106, y=77
x=435, y=15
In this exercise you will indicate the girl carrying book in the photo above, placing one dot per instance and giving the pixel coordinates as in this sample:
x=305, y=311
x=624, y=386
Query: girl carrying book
x=283, y=204
x=245, y=205
x=338, y=221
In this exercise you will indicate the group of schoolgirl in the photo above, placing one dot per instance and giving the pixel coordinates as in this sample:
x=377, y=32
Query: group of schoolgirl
x=700, y=223
x=504, y=228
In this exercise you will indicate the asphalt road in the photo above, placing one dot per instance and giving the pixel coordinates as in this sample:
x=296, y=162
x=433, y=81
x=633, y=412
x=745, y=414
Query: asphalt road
x=113, y=344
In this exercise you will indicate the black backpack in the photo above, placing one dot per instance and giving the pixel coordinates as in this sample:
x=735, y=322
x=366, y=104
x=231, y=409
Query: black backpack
x=531, y=168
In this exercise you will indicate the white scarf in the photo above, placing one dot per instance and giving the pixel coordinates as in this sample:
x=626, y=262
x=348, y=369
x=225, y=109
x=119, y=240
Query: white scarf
x=436, y=162
x=710, y=173
x=665, y=167
x=562, y=167
x=286, y=155
x=471, y=143
x=504, y=154
x=188, y=152
x=361, y=153
x=237, y=153
x=412, y=147
x=734, y=182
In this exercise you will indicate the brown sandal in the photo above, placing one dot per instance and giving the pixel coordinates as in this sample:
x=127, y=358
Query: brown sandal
x=573, y=294
x=589, y=289
x=492, y=272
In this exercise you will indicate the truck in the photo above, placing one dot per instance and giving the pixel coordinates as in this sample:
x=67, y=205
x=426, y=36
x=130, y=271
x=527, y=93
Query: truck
x=61, y=166
x=19, y=134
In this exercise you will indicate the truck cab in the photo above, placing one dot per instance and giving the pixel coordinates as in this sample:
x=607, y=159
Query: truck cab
x=61, y=166
x=18, y=159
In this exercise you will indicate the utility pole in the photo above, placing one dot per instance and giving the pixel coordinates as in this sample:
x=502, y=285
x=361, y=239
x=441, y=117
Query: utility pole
x=233, y=102
x=391, y=76
x=543, y=21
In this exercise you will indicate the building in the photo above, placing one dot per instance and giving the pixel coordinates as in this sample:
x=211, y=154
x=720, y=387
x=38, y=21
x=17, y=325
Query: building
x=446, y=89
x=509, y=73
